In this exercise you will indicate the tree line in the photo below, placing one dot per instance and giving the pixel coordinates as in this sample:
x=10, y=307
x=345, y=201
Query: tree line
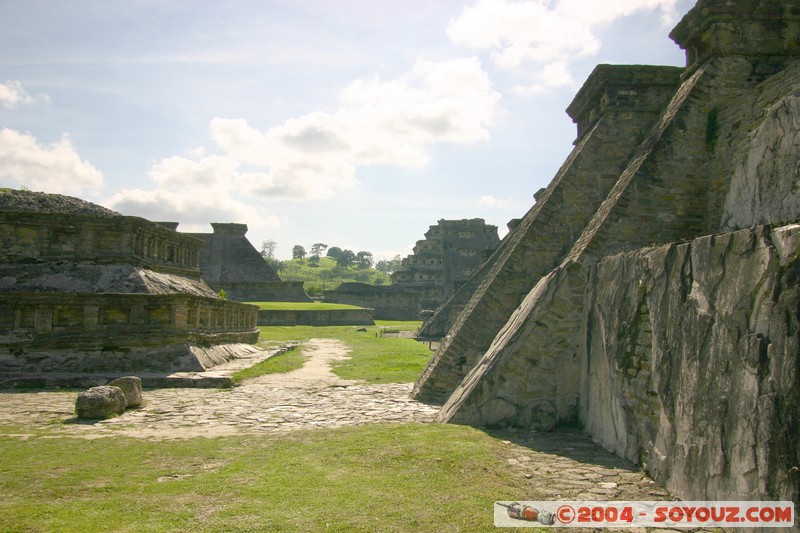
x=344, y=258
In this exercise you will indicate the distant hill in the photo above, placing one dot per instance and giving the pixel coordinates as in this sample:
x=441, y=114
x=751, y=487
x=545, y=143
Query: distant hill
x=327, y=275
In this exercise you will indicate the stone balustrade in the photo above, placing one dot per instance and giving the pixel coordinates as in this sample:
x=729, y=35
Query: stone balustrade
x=46, y=237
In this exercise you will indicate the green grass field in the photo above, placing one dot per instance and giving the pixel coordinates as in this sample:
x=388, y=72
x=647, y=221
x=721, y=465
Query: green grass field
x=326, y=275
x=383, y=477
x=277, y=364
x=373, y=359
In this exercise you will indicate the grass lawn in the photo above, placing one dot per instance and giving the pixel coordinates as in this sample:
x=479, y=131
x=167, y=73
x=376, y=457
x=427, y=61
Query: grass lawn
x=277, y=364
x=373, y=359
x=383, y=477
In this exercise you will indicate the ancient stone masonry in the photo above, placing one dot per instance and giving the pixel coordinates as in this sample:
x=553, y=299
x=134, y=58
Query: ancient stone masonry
x=229, y=262
x=388, y=302
x=448, y=256
x=451, y=251
x=438, y=323
x=316, y=317
x=618, y=104
x=658, y=305
x=692, y=362
x=83, y=289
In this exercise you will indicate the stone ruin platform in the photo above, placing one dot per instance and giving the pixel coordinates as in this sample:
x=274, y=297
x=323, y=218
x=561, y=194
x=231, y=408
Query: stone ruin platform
x=237, y=357
x=87, y=294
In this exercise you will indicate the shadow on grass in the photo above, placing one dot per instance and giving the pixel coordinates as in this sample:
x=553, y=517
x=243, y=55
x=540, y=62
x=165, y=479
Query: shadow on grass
x=568, y=442
x=83, y=421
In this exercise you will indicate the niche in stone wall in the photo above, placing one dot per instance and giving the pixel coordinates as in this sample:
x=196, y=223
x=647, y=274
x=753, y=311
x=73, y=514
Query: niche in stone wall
x=108, y=241
x=138, y=244
x=6, y=319
x=191, y=316
x=67, y=316
x=27, y=317
x=115, y=315
x=161, y=314
x=64, y=240
x=27, y=236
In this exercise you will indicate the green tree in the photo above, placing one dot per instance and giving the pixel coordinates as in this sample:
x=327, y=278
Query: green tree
x=298, y=252
x=389, y=266
x=268, y=253
x=317, y=248
x=268, y=249
x=346, y=258
x=364, y=259
x=334, y=252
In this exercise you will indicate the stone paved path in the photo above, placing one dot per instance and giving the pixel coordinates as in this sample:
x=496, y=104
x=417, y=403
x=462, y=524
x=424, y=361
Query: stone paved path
x=562, y=465
x=312, y=396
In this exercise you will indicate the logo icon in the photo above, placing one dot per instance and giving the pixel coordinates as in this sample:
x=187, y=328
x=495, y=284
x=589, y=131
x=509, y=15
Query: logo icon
x=565, y=514
x=517, y=511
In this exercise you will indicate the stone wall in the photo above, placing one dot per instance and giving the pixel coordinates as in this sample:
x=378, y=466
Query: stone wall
x=104, y=239
x=310, y=317
x=692, y=369
x=78, y=332
x=387, y=302
x=764, y=185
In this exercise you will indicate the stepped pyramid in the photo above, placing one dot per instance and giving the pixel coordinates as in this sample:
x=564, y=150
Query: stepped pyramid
x=652, y=293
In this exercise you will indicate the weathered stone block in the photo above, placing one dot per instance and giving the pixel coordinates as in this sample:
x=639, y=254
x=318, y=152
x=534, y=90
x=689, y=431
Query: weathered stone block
x=132, y=388
x=100, y=402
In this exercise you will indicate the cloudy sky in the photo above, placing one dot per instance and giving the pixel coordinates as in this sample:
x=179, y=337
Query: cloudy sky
x=356, y=123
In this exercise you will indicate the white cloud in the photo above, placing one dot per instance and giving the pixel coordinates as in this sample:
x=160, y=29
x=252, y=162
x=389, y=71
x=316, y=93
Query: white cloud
x=593, y=12
x=517, y=32
x=179, y=171
x=492, y=202
x=53, y=168
x=378, y=122
x=552, y=76
x=521, y=33
x=488, y=200
x=299, y=159
x=12, y=94
x=194, y=208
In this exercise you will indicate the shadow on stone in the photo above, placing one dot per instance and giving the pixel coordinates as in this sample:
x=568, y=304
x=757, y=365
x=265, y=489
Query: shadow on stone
x=75, y=421
x=568, y=442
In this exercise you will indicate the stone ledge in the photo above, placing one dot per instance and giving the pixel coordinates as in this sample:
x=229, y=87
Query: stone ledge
x=218, y=377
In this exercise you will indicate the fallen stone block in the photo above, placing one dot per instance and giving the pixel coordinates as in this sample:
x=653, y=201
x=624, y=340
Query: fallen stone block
x=100, y=402
x=132, y=388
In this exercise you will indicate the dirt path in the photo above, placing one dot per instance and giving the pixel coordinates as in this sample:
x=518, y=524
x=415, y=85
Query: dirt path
x=315, y=373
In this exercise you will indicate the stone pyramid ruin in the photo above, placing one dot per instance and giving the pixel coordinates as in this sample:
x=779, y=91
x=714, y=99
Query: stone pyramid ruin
x=651, y=294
